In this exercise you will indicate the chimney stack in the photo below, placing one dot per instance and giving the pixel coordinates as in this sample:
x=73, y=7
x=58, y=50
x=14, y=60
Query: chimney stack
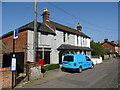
x=79, y=27
x=45, y=15
x=105, y=40
x=112, y=41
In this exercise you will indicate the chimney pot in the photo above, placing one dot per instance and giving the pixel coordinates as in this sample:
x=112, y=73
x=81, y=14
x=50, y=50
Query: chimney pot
x=105, y=39
x=112, y=41
x=45, y=9
x=45, y=15
x=79, y=27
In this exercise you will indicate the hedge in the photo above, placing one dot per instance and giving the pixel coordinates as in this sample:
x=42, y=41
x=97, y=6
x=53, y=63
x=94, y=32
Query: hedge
x=51, y=67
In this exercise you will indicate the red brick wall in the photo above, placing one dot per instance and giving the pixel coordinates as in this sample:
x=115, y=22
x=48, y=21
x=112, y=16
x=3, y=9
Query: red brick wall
x=20, y=43
x=6, y=77
x=107, y=45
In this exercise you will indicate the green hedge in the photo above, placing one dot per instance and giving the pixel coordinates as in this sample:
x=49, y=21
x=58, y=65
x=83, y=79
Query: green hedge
x=51, y=67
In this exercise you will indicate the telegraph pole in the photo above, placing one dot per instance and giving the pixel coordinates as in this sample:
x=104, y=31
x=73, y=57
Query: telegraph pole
x=35, y=30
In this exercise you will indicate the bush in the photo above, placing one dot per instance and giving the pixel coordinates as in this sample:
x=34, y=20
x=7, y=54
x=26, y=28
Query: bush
x=51, y=67
x=97, y=49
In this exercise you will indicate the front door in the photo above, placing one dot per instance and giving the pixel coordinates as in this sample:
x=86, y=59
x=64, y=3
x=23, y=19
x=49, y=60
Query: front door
x=47, y=57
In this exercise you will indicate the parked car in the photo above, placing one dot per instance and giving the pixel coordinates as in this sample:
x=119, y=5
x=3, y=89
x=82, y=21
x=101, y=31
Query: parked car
x=76, y=62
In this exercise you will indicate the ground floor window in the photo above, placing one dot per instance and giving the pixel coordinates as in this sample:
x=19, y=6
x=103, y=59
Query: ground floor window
x=46, y=56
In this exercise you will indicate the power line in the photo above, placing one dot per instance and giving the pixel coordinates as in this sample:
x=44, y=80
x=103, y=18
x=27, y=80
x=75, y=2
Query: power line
x=93, y=29
x=63, y=22
x=77, y=18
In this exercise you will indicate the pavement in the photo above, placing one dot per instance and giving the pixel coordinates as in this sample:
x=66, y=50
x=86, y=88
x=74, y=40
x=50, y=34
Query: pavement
x=47, y=76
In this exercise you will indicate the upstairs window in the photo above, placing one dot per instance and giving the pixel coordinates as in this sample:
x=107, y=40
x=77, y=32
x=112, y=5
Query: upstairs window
x=68, y=35
x=77, y=40
x=64, y=37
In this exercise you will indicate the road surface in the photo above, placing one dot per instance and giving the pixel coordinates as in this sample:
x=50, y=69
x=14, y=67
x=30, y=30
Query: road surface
x=104, y=75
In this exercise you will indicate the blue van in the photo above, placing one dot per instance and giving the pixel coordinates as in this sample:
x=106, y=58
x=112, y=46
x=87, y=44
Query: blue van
x=76, y=62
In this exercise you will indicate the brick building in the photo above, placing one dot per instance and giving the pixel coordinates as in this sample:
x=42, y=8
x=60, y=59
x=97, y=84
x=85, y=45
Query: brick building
x=53, y=41
x=111, y=47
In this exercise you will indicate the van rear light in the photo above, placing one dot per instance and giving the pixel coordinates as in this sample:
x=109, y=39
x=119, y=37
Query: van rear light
x=74, y=64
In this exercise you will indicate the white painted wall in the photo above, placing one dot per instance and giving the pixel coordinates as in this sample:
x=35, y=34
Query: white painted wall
x=72, y=39
x=59, y=38
x=79, y=41
x=88, y=42
x=82, y=41
x=54, y=42
x=46, y=39
x=30, y=46
x=39, y=39
x=96, y=60
x=75, y=40
x=66, y=38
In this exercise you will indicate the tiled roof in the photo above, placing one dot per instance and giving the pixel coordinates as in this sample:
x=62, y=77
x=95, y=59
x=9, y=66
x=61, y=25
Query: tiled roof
x=68, y=29
x=41, y=27
x=113, y=44
x=71, y=47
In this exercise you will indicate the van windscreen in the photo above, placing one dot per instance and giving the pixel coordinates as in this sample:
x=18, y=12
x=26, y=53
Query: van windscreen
x=68, y=58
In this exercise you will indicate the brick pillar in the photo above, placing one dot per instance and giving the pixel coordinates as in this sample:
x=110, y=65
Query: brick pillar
x=6, y=77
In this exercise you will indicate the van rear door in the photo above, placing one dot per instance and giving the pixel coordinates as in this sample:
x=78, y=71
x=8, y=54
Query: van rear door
x=68, y=61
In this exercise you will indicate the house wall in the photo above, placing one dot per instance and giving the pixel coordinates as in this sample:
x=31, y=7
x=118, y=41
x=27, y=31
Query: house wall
x=56, y=42
x=79, y=39
x=69, y=39
x=25, y=43
x=46, y=39
x=54, y=55
x=43, y=40
x=6, y=77
x=20, y=43
x=107, y=45
x=72, y=39
x=88, y=42
x=30, y=46
x=117, y=49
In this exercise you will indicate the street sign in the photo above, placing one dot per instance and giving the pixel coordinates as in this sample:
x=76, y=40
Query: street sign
x=15, y=33
x=13, y=64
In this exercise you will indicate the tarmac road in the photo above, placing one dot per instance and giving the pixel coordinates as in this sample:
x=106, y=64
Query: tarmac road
x=104, y=75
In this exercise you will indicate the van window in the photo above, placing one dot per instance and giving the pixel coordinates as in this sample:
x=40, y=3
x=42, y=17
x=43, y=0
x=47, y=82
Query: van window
x=68, y=58
x=87, y=58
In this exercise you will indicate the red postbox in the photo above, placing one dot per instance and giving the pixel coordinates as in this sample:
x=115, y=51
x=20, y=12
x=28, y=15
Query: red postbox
x=41, y=61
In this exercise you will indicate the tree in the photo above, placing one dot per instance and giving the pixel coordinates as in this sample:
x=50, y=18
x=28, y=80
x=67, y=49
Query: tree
x=97, y=49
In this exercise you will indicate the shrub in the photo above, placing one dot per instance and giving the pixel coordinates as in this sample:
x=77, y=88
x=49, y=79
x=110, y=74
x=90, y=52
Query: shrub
x=97, y=49
x=51, y=67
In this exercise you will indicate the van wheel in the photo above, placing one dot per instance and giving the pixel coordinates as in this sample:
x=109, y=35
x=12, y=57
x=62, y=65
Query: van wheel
x=80, y=69
x=92, y=66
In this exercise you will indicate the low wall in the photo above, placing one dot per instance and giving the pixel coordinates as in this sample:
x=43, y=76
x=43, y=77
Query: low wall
x=34, y=71
x=96, y=60
x=106, y=56
x=6, y=77
x=109, y=56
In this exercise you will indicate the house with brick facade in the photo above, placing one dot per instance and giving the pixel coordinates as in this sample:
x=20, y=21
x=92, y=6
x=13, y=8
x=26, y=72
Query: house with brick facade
x=53, y=41
x=111, y=47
